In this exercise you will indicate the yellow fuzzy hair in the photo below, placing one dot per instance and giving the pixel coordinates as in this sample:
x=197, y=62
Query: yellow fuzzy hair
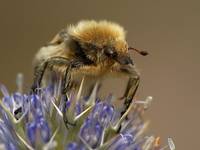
x=99, y=33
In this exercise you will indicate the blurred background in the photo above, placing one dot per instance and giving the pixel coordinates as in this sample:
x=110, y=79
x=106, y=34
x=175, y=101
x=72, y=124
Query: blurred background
x=169, y=30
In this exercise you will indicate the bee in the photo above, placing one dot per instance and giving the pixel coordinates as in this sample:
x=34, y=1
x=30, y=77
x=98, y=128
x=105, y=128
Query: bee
x=90, y=48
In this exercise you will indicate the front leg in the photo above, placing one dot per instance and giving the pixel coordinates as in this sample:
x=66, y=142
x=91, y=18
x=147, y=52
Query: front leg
x=130, y=92
x=133, y=83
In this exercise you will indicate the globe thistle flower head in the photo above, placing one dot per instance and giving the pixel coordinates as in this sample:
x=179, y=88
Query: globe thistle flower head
x=44, y=120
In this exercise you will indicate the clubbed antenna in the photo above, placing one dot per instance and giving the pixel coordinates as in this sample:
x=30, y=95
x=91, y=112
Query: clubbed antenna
x=141, y=52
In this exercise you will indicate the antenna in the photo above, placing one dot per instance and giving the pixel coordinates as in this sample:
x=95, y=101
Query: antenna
x=141, y=52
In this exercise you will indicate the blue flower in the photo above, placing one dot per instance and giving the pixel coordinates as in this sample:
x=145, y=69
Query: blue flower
x=39, y=121
x=38, y=126
x=6, y=134
x=91, y=132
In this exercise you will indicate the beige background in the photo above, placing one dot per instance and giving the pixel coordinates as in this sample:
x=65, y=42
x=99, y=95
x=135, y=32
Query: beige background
x=170, y=30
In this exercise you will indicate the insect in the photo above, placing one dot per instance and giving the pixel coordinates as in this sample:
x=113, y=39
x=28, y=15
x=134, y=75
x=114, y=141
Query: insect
x=89, y=48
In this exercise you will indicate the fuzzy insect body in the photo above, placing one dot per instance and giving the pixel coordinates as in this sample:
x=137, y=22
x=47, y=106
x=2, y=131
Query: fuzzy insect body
x=92, y=49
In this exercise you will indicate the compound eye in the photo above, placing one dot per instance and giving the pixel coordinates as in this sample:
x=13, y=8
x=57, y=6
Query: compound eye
x=110, y=52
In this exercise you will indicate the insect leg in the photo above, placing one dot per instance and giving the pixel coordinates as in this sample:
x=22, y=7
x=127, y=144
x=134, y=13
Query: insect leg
x=39, y=69
x=131, y=90
x=38, y=75
x=66, y=79
x=65, y=87
x=132, y=85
